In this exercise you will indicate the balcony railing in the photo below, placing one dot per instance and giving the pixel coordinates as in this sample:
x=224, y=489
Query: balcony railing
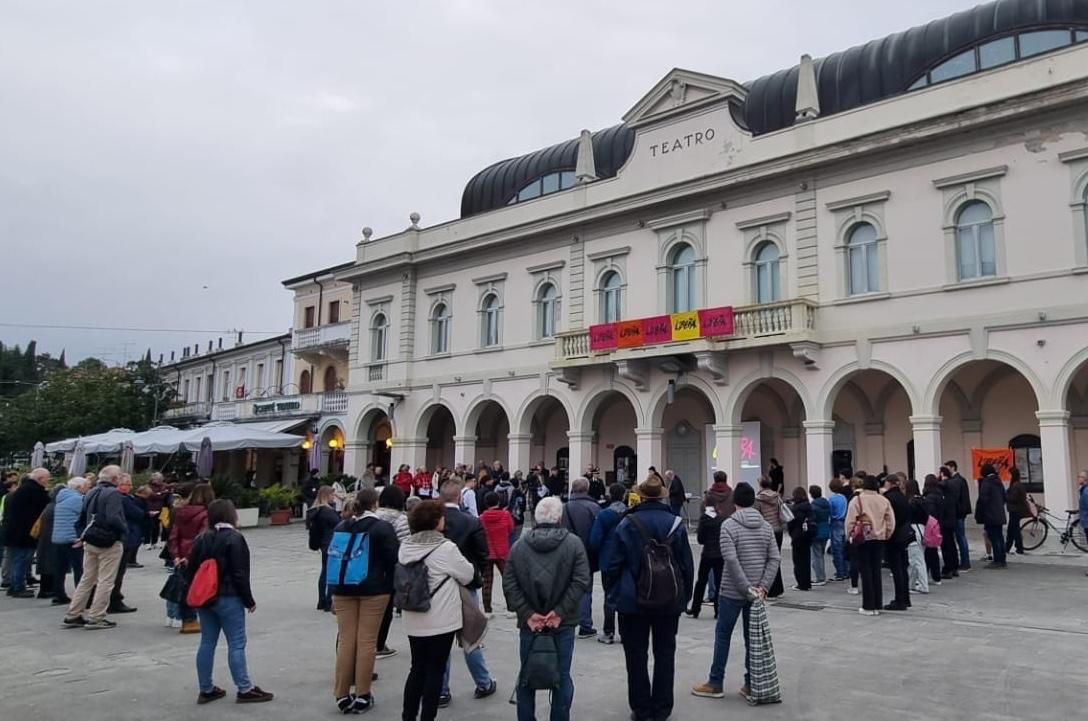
x=189, y=410
x=324, y=336
x=375, y=372
x=225, y=411
x=753, y=325
x=335, y=402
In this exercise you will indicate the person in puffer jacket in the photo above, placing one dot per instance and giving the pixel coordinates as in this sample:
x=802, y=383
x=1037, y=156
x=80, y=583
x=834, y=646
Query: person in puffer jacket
x=67, y=555
x=750, y=562
x=599, y=537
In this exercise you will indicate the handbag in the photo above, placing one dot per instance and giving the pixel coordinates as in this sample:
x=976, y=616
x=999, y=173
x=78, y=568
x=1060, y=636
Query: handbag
x=36, y=529
x=174, y=589
x=785, y=515
x=763, y=687
x=863, y=527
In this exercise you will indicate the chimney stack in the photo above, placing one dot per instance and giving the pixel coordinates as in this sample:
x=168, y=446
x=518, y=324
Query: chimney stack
x=220, y=342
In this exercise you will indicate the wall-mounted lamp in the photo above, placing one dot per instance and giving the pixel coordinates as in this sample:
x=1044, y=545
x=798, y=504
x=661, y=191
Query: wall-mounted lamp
x=333, y=443
x=307, y=444
x=388, y=442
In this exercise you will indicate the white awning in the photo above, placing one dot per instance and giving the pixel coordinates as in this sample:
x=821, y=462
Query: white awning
x=108, y=442
x=281, y=426
x=237, y=436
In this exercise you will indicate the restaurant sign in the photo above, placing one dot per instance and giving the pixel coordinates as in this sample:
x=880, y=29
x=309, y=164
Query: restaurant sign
x=692, y=325
x=276, y=407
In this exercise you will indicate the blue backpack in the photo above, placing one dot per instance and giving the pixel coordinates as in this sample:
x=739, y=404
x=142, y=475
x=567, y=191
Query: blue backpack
x=349, y=555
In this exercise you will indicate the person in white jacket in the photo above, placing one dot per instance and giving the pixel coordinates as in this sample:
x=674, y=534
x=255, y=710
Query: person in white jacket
x=431, y=633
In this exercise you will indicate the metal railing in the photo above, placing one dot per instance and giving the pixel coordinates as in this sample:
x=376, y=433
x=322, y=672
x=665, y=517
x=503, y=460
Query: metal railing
x=201, y=408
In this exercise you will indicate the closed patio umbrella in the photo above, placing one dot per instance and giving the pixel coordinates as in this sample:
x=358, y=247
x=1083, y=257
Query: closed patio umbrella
x=204, y=458
x=128, y=457
x=38, y=457
x=314, y=458
x=79, y=460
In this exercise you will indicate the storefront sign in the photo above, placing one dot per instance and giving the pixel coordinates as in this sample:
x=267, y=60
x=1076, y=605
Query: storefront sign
x=692, y=325
x=276, y=407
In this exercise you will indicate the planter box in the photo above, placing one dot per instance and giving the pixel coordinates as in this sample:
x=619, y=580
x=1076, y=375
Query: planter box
x=247, y=517
x=280, y=518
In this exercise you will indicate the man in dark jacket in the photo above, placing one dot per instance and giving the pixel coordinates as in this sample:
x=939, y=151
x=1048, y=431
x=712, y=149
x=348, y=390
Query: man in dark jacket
x=963, y=510
x=651, y=521
x=710, y=560
x=22, y=508
x=990, y=512
x=465, y=530
x=547, y=576
x=677, y=495
x=599, y=544
x=103, y=508
x=578, y=517
x=896, y=548
x=949, y=520
x=135, y=515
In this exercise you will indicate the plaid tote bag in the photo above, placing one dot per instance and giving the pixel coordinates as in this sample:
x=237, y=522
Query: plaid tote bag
x=764, y=670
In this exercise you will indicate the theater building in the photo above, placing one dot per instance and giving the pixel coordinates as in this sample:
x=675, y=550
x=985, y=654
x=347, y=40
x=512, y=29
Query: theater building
x=876, y=259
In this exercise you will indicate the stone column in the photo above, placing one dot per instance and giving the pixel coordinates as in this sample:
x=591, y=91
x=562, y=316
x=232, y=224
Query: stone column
x=650, y=450
x=518, y=456
x=927, y=445
x=818, y=446
x=727, y=444
x=464, y=450
x=1058, y=476
x=355, y=455
x=580, y=445
x=412, y=451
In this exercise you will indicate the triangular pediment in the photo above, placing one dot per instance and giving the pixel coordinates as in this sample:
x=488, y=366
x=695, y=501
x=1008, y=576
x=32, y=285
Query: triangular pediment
x=681, y=91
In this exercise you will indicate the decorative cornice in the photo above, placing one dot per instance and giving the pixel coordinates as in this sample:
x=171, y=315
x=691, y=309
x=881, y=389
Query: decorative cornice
x=764, y=220
x=545, y=267
x=867, y=199
x=671, y=221
x=492, y=278
x=379, y=300
x=605, y=254
x=1070, y=155
x=444, y=288
x=972, y=177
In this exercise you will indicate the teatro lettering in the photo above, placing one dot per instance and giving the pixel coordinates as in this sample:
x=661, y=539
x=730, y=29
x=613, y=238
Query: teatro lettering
x=682, y=142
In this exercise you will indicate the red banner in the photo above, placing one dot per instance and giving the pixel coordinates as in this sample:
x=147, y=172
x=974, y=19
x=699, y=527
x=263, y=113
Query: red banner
x=1000, y=458
x=716, y=321
x=629, y=334
x=602, y=337
x=656, y=330
x=690, y=325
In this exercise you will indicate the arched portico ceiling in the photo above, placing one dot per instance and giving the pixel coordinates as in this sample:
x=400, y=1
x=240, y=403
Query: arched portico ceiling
x=844, y=375
x=692, y=384
x=945, y=374
x=529, y=408
x=480, y=405
x=371, y=417
x=743, y=389
x=423, y=420
x=1066, y=377
x=329, y=428
x=595, y=398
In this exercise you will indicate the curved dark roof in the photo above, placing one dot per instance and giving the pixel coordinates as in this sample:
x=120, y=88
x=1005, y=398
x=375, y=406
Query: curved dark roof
x=495, y=185
x=886, y=67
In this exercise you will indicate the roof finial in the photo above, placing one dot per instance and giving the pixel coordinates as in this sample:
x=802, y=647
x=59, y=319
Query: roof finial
x=585, y=169
x=808, y=100
x=367, y=232
x=414, y=217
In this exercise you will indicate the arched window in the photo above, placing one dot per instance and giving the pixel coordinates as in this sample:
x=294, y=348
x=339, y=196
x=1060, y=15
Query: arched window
x=550, y=183
x=610, y=297
x=682, y=278
x=331, y=382
x=489, y=321
x=546, y=310
x=975, y=253
x=305, y=384
x=862, y=261
x=379, y=331
x=440, y=329
x=766, y=281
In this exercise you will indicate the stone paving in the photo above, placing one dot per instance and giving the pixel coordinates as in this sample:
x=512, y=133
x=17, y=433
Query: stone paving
x=991, y=645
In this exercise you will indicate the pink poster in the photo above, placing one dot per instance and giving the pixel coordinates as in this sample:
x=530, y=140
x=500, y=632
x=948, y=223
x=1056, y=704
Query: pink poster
x=716, y=321
x=657, y=329
x=602, y=337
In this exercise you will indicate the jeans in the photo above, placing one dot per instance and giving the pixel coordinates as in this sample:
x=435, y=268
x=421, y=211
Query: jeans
x=424, y=684
x=65, y=559
x=872, y=589
x=819, y=568
x=20, y=567
x=707, y=566
x=838, y=549
x=585, y=607
x=961, y=541
x=477, y=667
x=729, y=609
x=563, y=697
x=997, y=540
x=226, y=615
x=324, y=599
x=1013, y=537
x=649, y=701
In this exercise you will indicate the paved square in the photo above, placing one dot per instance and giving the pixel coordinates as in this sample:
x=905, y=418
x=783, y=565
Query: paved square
x=993, y=645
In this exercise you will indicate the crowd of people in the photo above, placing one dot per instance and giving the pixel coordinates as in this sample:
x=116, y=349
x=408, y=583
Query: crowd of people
x=426, y=546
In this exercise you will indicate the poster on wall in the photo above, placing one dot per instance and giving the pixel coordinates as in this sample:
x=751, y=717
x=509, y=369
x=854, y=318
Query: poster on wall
x=748, y=452
x=1000, y=458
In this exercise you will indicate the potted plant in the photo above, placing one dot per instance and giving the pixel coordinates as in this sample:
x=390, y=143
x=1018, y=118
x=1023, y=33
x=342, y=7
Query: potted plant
x=280, y=501
x=245, y=500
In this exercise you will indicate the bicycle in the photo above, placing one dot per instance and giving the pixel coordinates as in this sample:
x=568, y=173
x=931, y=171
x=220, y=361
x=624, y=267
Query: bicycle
x=1035, y=530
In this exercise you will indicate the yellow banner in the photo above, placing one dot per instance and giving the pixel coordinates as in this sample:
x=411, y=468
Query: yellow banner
x=685, y=326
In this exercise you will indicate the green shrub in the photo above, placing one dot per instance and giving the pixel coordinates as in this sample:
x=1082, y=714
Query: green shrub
x=278, y=498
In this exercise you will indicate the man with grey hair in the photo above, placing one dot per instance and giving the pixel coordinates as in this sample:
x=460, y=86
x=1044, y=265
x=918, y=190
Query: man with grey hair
x=578, y=518
x=102, y=526
x=547, y=576
x=22, y=508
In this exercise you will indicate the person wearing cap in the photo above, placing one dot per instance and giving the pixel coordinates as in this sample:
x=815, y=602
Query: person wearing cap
x=651, y=521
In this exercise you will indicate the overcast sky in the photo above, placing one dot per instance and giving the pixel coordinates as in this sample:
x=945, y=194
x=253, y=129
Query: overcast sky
x=165, y=164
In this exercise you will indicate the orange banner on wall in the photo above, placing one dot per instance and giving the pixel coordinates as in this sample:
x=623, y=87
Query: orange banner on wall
x=1000, y=458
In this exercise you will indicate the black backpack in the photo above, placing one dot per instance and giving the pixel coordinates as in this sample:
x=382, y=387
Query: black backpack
x=540, y=672
x=412, y=585
x=660, y=583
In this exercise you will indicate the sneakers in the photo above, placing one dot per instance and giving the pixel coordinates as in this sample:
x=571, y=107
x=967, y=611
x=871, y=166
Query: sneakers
x=444, y=700
x=385, y=652
x=606, y=638
x=987, y=557
x=25, y=593
x=819, y=583
x=346, y=704
x=485, y=692
x=254, y=695
x=745, y=693
x=98, y=625
x=706, y=690
x=867, y=612
x=190, y=626
x=852, y=590
x=73, y=621
x=208, y=696
x=587, y=632
x=362, y=704
x=893, y=606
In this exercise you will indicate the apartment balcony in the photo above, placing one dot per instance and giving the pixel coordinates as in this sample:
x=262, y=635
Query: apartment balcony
x=789, y=322
x=334, y=403
x=332, y=339
x=188, y=412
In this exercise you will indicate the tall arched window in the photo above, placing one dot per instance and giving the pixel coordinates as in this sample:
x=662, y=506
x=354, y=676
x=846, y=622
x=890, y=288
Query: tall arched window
x=610, y=297
x=976, y=256
x=379, y=331
x=331, y=382
x=305, y=384
x=547, y=300
x=440, y=329
x=766, y=282
x=862, y=261
x=489, y=321
x=682, y=279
